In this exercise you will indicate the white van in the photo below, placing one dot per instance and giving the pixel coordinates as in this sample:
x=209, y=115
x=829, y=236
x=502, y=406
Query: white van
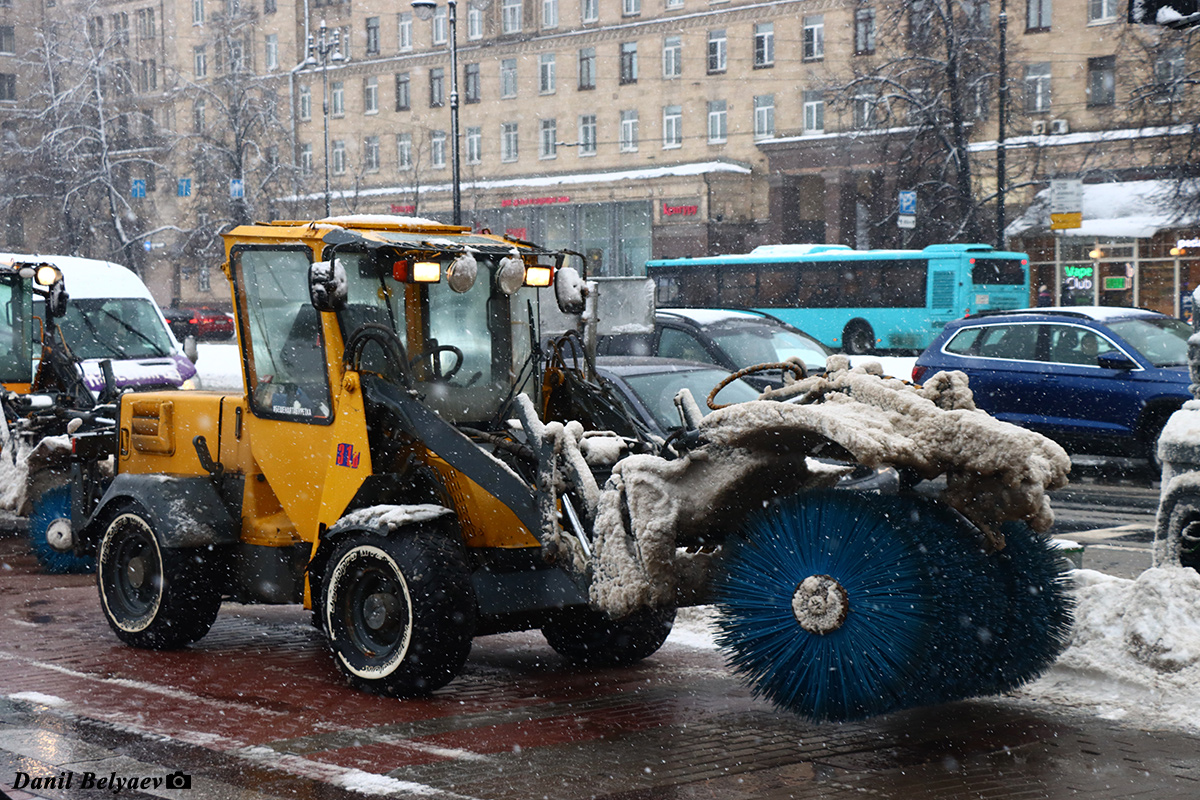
x=112, y=315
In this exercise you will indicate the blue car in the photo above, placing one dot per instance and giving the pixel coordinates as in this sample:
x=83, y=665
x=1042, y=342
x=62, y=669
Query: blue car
x=1097, y=379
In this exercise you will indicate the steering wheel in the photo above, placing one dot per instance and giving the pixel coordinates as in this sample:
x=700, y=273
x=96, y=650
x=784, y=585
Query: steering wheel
x=801, y=374
x=433, y=352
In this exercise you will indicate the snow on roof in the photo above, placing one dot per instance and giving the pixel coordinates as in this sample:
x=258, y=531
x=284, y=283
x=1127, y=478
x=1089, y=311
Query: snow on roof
x=710, y=316
x=379, y=219
x=88, y=277
x=1126, y=209
x=569, y=179
x=1100, y=313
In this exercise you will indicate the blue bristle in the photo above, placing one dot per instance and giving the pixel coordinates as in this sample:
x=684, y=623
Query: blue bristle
x=932, y=618
x=52, y=505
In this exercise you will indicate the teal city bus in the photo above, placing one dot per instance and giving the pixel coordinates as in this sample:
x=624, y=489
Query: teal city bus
x=857, y=301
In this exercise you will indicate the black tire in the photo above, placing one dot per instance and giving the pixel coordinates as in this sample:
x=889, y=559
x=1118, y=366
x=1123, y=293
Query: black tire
x=1150, y=429
x=399, y=611
x=589, y=637
x=1182, y=513
x=154, y=597
x=858, y=339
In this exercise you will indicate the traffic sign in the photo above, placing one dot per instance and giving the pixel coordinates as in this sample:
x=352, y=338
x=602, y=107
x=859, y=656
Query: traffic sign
x=185, y=187
x=237, y=189
x=138, y=189
x=908, y=203
x=1066, y=204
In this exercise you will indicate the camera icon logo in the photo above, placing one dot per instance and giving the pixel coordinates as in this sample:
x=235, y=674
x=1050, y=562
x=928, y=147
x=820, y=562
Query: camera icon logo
x=179, y=780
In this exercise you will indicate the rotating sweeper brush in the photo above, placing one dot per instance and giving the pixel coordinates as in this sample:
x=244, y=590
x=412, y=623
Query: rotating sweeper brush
x=840, y=606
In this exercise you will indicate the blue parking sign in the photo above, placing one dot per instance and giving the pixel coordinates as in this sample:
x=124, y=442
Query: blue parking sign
x=138, y=188
x=908, y=203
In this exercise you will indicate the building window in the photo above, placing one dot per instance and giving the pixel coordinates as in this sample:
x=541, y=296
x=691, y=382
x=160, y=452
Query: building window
x=764, y=116
x=1169, y=76
x=148, y=75
x=716, y=51
x=549, y=13
x=372, y=36
x=120, y=26
x=587, y=68
x=865, y=106
x=371, y=95
x=306, y=161
x=548, y=141
x=371, y=154
x=474, y=23
x=1102, y=10
x=717, y=130
x=546, y=77
x=269, y=6
x=629, y=65
x=510, y=16
x=472, y=85
x=672, y=127
x=146, y=27
x=474, y=145
x=437, y=87
x=197, y=12
x=629, y=131
x=814, y=112
x=95, y=30
x=337, y=157
x=439, y=24
x=814, y=38
x=305, y=102
x=1037, y=15
x=508, y=142
x=404, y=30
x=403, y=96
x=631, y=8
x=674, y=3
x=403, y=151
x=200, y=61
x=508, y=77
x=1037, y=87
x=672, y=57
x=437, y=149
x=1102, y=81
x=587, y=134
x=271, y=60
x=198, y=112
x=864, y=31
x=8, y=86
x=589, y=10
x=764, y=45
x=337, y=99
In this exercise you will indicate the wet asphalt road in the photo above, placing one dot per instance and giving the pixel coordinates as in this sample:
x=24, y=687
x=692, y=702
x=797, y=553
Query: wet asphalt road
x=257, y=710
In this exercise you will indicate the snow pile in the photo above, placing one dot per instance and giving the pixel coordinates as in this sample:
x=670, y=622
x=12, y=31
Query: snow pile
x=1135, y=647
x=755, y=451
x=29, y=472
x=386, y=517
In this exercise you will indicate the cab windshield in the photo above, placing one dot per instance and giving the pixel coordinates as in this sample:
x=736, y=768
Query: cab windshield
x=15, y=312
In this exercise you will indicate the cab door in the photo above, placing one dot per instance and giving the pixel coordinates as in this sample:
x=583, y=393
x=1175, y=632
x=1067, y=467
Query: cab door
x=16, y=355
x=308, y=441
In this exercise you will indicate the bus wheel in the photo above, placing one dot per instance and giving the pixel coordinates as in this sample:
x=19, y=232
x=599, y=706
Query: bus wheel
x=858, y=339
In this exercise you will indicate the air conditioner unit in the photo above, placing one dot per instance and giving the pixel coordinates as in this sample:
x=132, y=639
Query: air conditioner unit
x=1059, y=126
x=1038, y=127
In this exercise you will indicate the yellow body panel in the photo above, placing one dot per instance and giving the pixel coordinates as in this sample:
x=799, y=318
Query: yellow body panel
x=485, y=521
x=157, y=429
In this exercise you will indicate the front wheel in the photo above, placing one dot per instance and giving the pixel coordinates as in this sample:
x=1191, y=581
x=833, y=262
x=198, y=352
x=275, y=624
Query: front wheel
x=590, y=637
x=399, y=611
x=858, y=339
x=154, y=597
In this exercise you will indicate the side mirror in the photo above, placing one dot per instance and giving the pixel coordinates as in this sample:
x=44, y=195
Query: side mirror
x=56, y=299
x=569, y=290
x=1115, y=360
x=190, y=349
x=327, y=286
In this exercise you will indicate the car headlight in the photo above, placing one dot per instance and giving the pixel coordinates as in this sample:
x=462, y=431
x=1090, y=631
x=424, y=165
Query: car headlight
x=190, y=383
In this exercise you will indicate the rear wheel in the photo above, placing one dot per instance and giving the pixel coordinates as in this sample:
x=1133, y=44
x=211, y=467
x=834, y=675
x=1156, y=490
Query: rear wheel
x=858, y=339
x=153, y=596
x=591, y=637
x=399, y=611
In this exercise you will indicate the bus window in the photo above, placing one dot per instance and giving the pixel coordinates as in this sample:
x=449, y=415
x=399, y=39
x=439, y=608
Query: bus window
x=1003, y=271
x=778, y=284
x=738, y=287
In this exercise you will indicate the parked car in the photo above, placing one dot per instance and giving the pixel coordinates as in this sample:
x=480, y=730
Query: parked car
x=1097, y=379
x=646, y=387
x=203, y=323
x=731, y=339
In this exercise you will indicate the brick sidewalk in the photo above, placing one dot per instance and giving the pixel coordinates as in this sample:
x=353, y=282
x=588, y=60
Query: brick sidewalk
x=257, y=710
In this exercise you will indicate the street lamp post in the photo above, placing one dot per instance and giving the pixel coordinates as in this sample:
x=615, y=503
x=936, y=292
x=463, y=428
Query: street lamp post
x=321, y=50
x=1001, y=114
x=425, y=10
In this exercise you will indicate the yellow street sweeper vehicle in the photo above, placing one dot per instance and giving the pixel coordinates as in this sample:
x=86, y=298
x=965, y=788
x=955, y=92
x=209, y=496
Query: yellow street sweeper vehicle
x=413, y=459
